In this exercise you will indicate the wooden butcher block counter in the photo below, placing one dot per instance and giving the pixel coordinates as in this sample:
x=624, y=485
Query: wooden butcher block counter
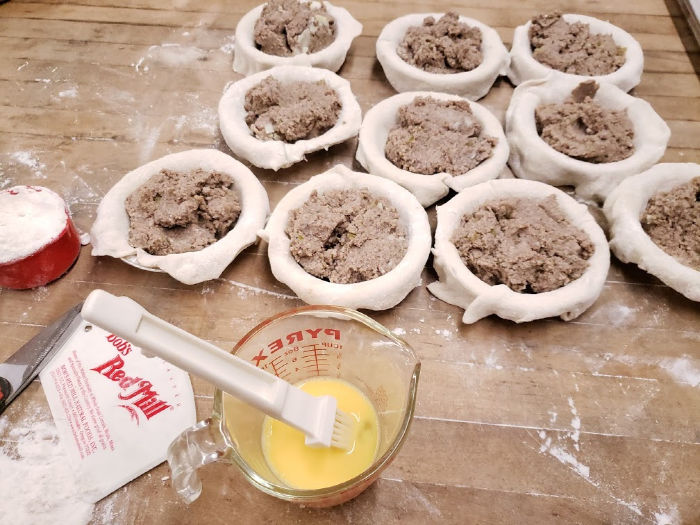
x=596, y=420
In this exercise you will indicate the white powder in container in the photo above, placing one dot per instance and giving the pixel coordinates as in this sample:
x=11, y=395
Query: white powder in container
x=30, y=218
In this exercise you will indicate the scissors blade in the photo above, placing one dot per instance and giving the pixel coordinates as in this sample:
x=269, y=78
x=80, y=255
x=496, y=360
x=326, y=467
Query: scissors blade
x=23, y=366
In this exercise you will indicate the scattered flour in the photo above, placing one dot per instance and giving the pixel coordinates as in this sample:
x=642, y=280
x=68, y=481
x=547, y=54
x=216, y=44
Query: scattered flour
x=618, y=314
x=682, y=370
x=562, y=455
x=40, y=293
x=107, y=515
x=69, y=93
x=203, y=118
x=398, y=331
x=444, y=333
x=229, y=46
x=36, y=482
x=492, y=361
x=667, y=516
x=79, y=191
x=255, y=290
x=171, y=55
x=575, y=424
x=566, y=458
x=27, y=159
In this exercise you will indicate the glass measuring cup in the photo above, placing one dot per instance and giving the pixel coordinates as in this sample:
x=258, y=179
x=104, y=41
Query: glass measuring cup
x=296, y=345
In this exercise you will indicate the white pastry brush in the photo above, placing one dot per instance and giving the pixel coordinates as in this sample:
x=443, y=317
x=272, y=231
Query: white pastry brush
x=323, y=424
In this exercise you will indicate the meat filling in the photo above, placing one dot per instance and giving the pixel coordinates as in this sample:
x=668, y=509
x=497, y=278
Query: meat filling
x=177, y=212
x=346, y=236
x=291, y=111
x=292, y=27
x=583, y=129
x=672, y=220
x=529, y=245
x=443, y=46
x=572, y=48
x=434, y=136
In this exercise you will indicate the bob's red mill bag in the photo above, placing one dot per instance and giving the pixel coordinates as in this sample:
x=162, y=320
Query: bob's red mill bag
x=115, y=409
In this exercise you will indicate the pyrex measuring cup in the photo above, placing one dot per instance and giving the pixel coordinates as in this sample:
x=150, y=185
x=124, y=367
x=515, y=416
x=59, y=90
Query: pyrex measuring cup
x=296, y=345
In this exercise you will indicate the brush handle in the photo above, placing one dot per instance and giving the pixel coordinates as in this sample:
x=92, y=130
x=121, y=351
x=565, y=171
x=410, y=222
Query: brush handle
x=128, y=319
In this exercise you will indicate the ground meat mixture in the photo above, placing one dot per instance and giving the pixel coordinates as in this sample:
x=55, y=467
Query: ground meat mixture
x=291, y=111
x=181, y=212
x=582, y=129
x=572, y=48
x=291, y=27
x=434, y=136
x=672, y=220
x=445, y=46
x=529, y=245
x=346, y=236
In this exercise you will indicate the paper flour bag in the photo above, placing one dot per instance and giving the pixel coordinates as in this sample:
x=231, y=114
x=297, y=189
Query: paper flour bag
x=116, y=410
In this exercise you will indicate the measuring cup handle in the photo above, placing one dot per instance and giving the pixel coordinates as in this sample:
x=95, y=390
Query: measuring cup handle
x=197, y=446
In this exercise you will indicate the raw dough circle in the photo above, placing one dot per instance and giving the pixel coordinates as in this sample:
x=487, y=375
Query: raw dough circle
x=459, y=286
x=472, y=84
x=628, y=240
x=381, y=293
x=110, y=232
x=524, y=67
x=532, y=158
x=276, y=154
x=428, y=189
x=249, y=59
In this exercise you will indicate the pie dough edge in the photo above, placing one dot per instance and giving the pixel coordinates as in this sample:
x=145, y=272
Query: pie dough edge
x=459, y=286
x=276, y=154
x=472, y=85
x=628, y=240
x=532, y=158
x=248, y=59
x=376, y=294
x=427, y=188
x=110, y=231
x=524, y=67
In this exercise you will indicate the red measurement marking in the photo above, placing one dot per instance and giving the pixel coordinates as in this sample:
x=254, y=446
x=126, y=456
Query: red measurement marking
x=277, y=366
x=259, y=357
x=314, y=355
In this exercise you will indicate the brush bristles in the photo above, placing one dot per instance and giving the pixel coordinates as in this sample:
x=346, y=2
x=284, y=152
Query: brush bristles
x=343, y=431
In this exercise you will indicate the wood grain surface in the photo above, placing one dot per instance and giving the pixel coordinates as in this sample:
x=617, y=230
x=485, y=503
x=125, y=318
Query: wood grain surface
x=592, y=421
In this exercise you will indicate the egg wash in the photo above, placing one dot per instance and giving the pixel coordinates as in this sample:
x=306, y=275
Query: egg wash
x=303, y=467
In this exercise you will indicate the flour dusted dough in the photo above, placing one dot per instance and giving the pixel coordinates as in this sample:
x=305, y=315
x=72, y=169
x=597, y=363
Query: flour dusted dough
x=459, y=286
x=110, y=232
x=532, y=158
x=472, y=84
x=427, y=188
x=524, y=67
x=376, y=294
x=628, y=240
x=248, y=59
x=276, y=154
